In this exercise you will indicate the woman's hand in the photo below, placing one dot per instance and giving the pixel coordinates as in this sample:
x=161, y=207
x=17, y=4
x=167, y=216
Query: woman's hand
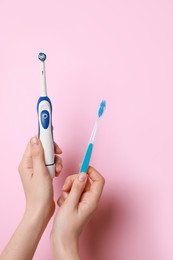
x=40, y=206
x=79, y=199
x=36, y=180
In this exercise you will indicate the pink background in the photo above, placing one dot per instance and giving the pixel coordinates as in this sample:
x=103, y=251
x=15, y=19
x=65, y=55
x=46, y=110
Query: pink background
x=121, y=51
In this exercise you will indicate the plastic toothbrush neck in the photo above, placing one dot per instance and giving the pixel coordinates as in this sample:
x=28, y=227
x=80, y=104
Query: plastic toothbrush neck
x=94, y=131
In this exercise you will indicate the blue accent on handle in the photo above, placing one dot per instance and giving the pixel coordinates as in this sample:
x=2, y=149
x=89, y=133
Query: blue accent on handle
x=86, y=159
x=45, y=118
x=45, y=98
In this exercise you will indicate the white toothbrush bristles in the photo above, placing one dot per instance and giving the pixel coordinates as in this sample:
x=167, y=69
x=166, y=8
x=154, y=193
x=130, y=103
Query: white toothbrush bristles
x=99, y=114
x=42, y=58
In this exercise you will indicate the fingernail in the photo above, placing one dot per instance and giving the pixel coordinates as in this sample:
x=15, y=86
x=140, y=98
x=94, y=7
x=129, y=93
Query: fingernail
x=59, y=168
x=34, y=141
x=82, y=177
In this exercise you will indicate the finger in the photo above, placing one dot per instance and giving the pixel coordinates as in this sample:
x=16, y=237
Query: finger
x=60, y=201
x=68, y=182
x=57, y=149
x=58, y=165
x=26, y=161
x=62, y=198
x=97, y=183
x=88, y=184
x=27, y=152
x=77, y=189
x=37, y=154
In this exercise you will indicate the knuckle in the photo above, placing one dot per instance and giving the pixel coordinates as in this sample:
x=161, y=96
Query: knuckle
x=20, y=167
x=65, y=195
x=103, y=180
x=68, y=178
x=59, y=203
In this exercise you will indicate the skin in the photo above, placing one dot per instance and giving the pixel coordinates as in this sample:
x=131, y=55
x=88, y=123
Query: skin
x=78, y=201
x=40, y=206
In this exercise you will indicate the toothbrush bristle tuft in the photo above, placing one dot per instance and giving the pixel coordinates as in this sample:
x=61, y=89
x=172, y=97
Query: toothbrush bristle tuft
x=101, y=108
x=42, y=56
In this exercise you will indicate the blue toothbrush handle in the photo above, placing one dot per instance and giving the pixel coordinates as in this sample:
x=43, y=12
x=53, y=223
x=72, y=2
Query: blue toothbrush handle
x=86, y=160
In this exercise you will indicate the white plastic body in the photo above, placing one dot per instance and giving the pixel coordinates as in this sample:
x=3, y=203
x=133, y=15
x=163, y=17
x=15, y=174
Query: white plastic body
x=46, y=137
x=43, y=90
x=93, y=134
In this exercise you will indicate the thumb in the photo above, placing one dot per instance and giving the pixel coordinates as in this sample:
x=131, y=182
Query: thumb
x=77, y=189
x=37, y=154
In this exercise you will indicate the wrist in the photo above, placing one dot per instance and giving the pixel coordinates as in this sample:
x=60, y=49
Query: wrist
x=26, y=237
x=36, y=220
x=64, y=247
x=40, y=215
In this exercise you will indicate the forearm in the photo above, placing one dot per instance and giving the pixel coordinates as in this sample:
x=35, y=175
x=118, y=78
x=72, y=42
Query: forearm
x=25, y=239
x=63, y=249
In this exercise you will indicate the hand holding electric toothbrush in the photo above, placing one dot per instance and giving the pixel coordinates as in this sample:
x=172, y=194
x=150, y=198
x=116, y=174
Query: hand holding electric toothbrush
x=44, y=109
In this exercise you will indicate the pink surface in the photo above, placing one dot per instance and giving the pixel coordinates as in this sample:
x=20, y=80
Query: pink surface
x=117, y=50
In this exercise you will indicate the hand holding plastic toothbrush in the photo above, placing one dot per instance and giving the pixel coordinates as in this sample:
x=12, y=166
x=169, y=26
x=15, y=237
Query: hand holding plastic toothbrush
x=79, y=199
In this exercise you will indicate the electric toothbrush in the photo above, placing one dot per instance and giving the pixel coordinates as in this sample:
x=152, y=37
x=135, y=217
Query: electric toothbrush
x=44, y=110
x=87, y=156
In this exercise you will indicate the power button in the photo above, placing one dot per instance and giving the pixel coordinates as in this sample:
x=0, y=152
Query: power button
x=45, y=118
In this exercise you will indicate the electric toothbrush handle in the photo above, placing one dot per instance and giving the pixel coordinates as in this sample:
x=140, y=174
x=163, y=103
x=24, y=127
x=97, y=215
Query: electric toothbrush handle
x=86, y=160
x=48, y=147
x=45, y=134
